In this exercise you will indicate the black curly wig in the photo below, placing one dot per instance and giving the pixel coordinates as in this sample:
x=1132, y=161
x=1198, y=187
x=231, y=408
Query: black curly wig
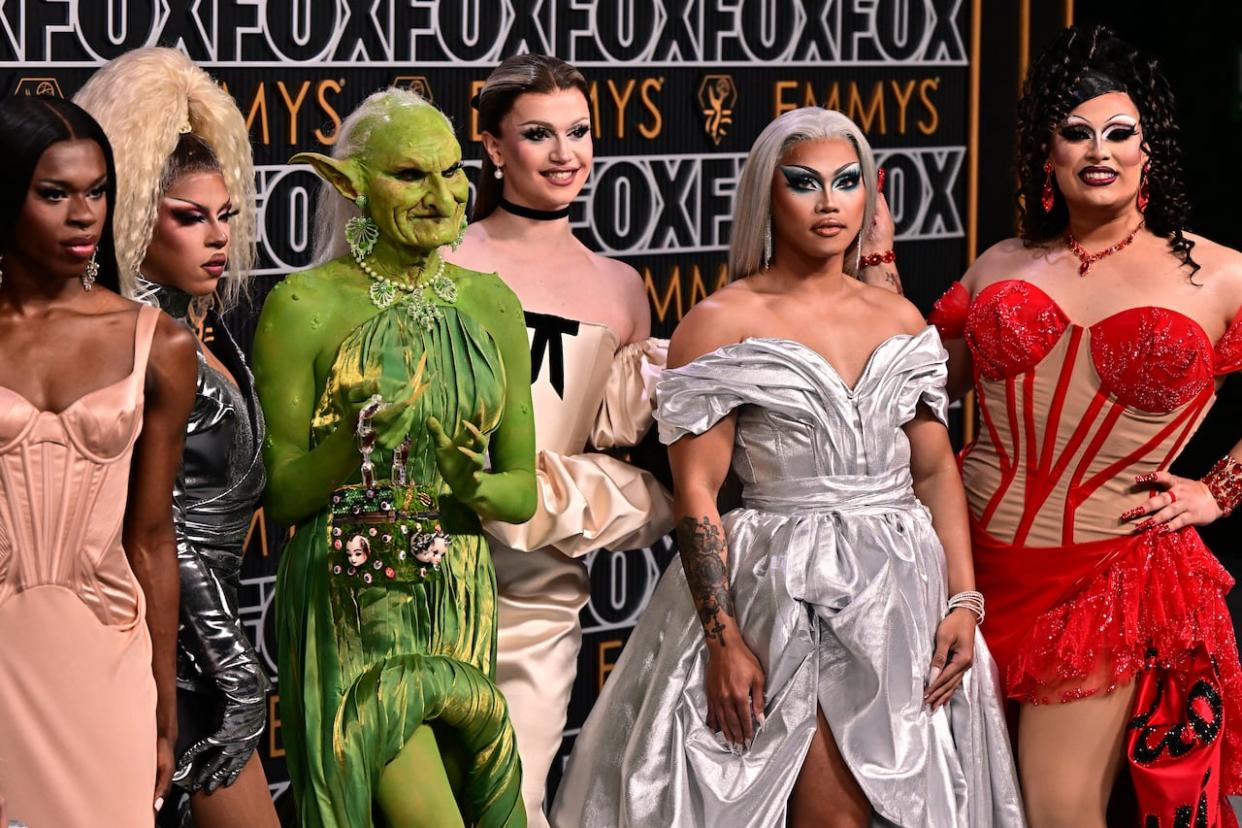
x=1079, y=65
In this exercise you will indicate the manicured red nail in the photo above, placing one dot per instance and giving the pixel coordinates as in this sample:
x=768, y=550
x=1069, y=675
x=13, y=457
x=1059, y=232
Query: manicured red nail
x=1150, y=477
x=1145, y=525
x=1132, y=513
x=880, y=174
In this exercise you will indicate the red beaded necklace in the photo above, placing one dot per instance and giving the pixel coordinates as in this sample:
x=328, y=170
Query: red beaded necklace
x=1085, y=259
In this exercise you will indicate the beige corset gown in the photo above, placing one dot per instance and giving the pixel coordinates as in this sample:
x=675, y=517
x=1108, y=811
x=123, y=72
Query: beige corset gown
x=77, y=700
x=587, y=392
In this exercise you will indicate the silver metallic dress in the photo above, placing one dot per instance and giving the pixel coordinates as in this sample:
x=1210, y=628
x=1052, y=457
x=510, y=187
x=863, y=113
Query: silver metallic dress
x=838, y=582
x=222, y=688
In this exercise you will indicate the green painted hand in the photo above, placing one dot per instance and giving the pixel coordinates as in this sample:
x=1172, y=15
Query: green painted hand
x=461, y=459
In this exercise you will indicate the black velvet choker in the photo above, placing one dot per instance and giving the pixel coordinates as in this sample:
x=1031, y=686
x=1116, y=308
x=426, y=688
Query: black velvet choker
x=532, y=213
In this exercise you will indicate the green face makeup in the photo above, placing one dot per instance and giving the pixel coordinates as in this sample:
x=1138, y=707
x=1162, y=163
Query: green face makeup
x=802, y=179
x=415, y=184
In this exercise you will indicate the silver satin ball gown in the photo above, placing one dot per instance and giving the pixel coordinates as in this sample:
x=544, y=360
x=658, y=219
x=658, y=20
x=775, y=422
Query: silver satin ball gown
x=838, y=581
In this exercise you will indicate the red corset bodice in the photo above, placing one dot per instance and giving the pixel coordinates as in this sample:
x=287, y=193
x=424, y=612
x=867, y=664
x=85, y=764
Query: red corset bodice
x=1070, y=413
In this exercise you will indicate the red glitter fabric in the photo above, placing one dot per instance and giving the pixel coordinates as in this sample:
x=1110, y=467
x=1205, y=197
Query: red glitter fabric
x=1090, y=635
x=1071, y=621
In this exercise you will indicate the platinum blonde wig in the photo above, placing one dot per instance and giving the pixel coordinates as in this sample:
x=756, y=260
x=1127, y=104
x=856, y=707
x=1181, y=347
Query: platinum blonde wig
x=332, y=210
x=752, y=211
x=145, y=100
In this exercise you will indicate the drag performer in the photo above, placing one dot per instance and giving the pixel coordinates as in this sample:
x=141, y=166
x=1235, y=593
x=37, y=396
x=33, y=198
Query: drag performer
x=594, y=365
x=809, y=661
x=91, y=423
x=389, y=379
x=185, y=196
x=1096, y=341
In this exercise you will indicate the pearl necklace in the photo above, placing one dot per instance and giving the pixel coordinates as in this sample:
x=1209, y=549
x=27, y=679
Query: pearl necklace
x=386, y=292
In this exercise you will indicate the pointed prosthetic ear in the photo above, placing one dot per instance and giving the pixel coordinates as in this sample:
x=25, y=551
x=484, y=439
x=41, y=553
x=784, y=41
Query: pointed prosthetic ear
x=345, y=174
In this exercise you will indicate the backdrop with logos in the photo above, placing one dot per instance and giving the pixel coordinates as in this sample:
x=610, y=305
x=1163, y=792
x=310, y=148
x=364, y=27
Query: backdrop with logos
x=679, y=90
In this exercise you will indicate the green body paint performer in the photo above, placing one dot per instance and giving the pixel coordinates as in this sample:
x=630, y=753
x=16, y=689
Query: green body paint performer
x=386, y=593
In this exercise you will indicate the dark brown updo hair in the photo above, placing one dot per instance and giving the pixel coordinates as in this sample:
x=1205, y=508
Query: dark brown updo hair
x=1079, y=65
x=191, y=155
x=516, y=76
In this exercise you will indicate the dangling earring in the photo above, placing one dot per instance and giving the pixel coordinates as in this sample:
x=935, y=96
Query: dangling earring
x=461, y=236
x=1144, y=194
x=767, y=245
x=91, y=272
x=1047, y=198
x=361, y=232
x=498, y=173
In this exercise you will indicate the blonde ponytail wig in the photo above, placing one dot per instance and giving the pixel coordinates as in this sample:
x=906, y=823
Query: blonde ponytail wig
x=145, y=100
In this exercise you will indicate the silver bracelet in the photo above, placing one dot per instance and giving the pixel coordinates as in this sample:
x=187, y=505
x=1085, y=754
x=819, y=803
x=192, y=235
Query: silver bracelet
x=968, y=599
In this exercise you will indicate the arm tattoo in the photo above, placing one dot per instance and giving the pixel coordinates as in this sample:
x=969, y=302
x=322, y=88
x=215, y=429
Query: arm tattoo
x=891, y=277
x=702, y=547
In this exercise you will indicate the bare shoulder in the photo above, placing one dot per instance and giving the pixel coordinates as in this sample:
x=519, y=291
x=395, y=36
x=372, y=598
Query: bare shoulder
x=1220, y=271
x=1003, y=260
x=1216, y=259
x=172, y=369
x=712, y=323
x=475, y=250
x=890, y=308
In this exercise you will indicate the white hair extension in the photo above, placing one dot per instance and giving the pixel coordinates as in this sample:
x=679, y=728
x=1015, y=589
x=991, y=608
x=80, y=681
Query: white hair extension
x=752, y=210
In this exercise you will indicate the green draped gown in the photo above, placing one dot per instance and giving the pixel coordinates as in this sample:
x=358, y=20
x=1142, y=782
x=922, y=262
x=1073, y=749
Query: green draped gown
x=362, y=666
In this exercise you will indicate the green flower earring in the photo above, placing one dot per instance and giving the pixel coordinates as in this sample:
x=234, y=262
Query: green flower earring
x=361, y=233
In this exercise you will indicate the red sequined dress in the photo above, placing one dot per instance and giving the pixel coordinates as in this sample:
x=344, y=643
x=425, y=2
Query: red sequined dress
x=1078, y=603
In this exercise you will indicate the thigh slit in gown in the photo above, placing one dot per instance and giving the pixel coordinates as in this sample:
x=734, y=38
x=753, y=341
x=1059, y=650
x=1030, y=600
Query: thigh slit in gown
x=365, y=663
x=838, y=581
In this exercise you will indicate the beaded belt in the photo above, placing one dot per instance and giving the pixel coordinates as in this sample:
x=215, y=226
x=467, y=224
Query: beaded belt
x=385, y=530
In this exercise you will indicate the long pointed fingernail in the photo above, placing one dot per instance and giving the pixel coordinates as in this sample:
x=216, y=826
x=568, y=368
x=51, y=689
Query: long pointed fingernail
x=932, y=675
x=1150, y=477
x=159, y=802
x=759, y=718
x=1145, y=525
x=1132, y=513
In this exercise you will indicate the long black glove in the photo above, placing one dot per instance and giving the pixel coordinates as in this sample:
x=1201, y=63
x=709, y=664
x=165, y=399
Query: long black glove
x=211, y=637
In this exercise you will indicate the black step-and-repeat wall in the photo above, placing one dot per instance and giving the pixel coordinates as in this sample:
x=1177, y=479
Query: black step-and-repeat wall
x=679, y=90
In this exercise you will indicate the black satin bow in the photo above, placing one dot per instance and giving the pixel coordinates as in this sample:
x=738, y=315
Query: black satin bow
x=548, y=332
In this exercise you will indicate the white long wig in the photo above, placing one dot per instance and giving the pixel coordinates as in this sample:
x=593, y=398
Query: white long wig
x=752, y=210
x=332, y=210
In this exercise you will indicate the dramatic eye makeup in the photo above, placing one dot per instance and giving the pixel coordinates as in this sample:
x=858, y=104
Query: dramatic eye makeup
x=801, y=179
x=806, y=180
x=1121, y=129
x=848, y=178
x=189, y=212
x=541, y=132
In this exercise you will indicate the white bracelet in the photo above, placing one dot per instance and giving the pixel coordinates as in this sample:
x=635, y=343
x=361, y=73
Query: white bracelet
x=969, y=599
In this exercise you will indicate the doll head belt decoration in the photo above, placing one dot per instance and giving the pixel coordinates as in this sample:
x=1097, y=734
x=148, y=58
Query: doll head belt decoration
x=386, y=530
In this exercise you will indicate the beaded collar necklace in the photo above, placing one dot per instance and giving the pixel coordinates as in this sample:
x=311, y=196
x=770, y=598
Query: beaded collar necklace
x=1085, y=259
x=411, y=294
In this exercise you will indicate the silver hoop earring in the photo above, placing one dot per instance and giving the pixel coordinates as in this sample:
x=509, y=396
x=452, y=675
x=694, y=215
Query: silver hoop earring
x=92, y=271
x=767, y=245
x=498, y=173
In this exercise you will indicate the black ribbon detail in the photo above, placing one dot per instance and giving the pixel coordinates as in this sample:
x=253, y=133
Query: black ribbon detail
x=548, y=336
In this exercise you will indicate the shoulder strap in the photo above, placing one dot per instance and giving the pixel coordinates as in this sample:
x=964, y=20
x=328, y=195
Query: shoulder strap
x=144, y=335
